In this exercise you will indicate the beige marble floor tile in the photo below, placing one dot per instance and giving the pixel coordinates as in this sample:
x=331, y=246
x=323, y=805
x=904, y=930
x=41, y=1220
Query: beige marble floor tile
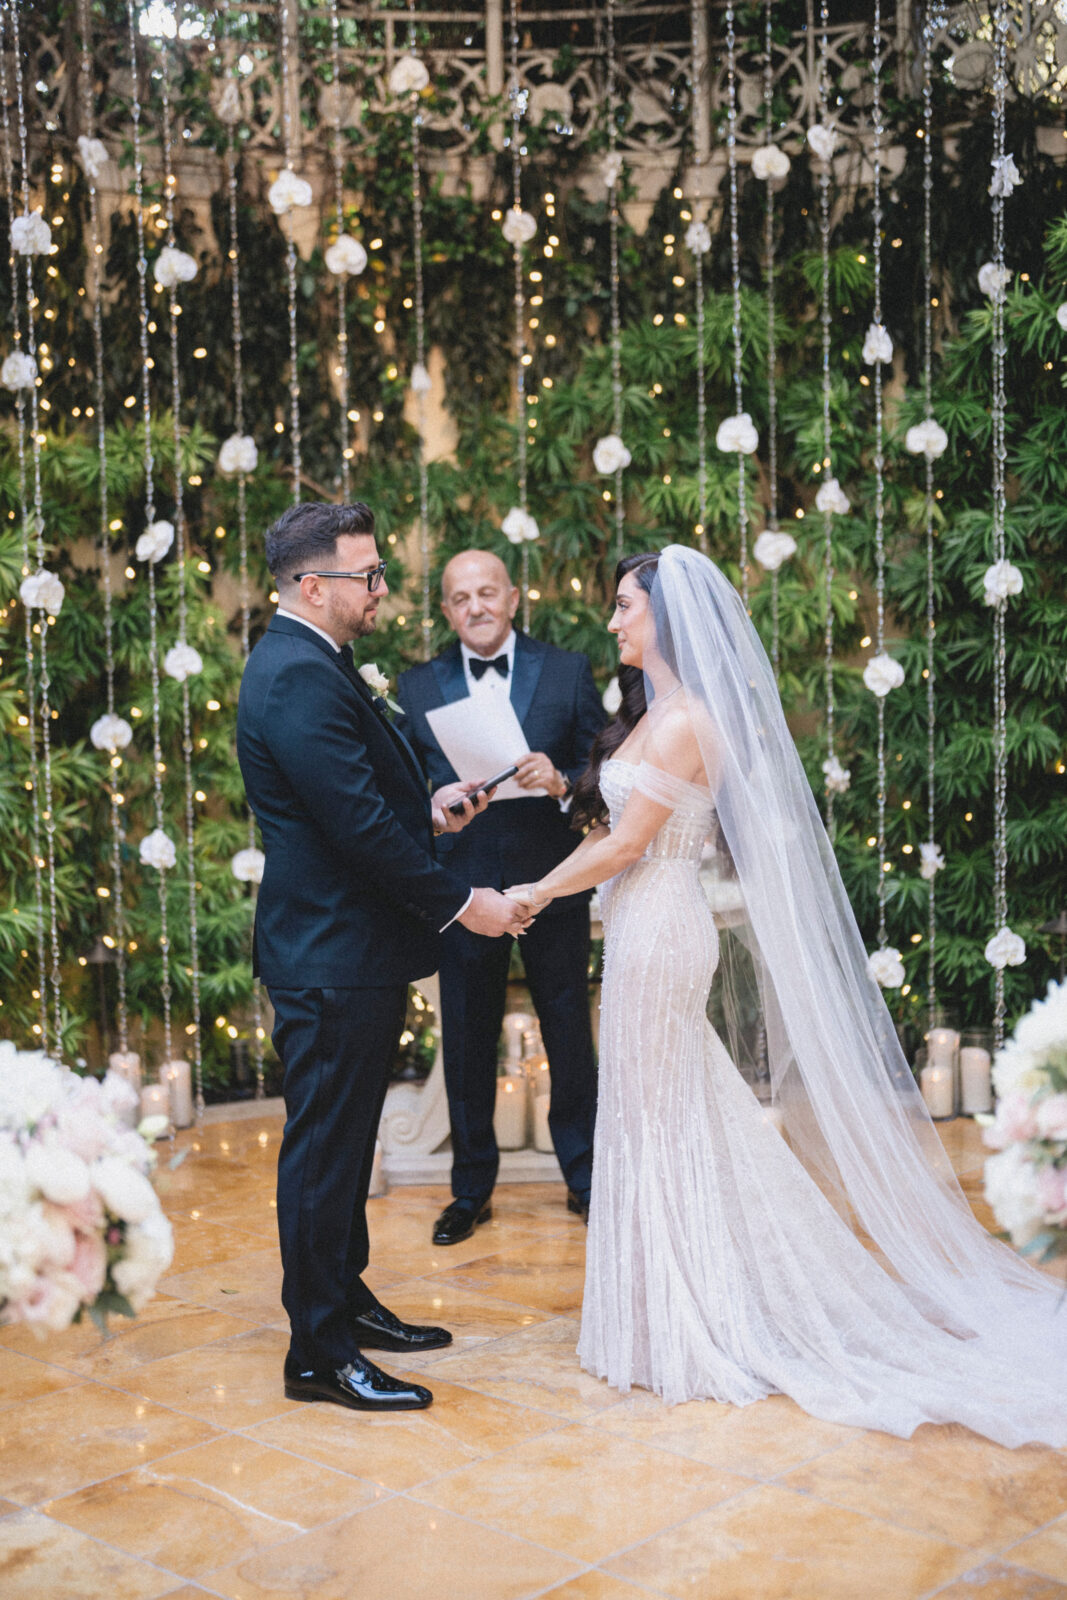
x=248, y=1286
x=537, y=1367
x=1044, y=1552
x=233, y=1384
x=134, y=1342
x=43, y=1560
x=399, y=1449
x=201, y=1244
x=61, y=1442
x=396, y=1551
x=23, y=1377
x=583, y=1493
x=597, y=1585
x=945, y=1481
x=546, y=1273
x=999, y=1581
x=401, y=1243
x=759, y=1441
x=771, y=1544
x=7, y=1507
x=464, y=1312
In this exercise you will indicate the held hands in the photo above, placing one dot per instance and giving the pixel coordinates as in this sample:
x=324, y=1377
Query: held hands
x=536, y=771
x=493, y=914
x=444, y=821
x=526, y=895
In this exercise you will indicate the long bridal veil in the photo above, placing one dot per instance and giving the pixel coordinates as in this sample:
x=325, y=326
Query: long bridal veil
x=852, y=1111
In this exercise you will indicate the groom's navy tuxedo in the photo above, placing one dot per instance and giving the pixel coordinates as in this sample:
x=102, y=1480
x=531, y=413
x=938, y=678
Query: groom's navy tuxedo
x=348, y=914
x=517, y=841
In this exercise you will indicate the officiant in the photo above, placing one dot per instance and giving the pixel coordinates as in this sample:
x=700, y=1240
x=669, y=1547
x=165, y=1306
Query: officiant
x=525, y=832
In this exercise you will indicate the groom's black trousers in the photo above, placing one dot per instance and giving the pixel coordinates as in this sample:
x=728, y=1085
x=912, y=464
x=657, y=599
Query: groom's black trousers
x=336, y=1046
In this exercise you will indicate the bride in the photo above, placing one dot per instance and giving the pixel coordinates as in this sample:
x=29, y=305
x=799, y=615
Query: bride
x=839, y=1264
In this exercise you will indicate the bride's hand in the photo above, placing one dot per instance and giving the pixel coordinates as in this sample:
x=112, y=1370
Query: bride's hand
x=525, y=894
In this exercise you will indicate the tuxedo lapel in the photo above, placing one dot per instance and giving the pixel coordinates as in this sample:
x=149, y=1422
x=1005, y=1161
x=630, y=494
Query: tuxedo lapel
x=529, y=659
x=451, y=678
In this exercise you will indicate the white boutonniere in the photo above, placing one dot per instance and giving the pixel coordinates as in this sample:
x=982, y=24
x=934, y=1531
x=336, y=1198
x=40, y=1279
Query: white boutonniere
x=377, y=683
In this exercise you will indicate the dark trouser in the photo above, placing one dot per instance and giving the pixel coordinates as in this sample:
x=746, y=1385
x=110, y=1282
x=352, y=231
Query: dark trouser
x=474, y=972
x=336, y=1046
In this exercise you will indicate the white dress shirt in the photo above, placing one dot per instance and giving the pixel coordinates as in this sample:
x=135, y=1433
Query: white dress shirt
x=490, y=683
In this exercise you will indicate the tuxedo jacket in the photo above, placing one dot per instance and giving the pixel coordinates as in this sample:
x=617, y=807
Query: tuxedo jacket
x=352, y=894
x=555, y=699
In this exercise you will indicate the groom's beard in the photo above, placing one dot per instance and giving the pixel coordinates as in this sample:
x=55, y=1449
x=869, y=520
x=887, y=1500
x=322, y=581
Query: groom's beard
x=366, y=624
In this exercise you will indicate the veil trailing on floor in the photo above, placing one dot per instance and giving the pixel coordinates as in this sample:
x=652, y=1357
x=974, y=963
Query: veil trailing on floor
x=852, y=1111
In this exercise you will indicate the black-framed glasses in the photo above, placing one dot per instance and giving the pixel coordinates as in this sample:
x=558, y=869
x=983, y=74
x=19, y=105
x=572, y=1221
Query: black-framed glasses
x=372, y=577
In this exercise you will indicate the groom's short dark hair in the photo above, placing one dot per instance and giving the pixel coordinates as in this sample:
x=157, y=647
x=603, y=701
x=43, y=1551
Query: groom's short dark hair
x=307, y=534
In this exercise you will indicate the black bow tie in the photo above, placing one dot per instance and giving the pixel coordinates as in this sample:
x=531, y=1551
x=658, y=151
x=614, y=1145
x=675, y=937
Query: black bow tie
x=480, y=667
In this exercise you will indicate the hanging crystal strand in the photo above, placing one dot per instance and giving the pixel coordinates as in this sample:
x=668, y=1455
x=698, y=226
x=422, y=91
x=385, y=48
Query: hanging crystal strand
x=33, y=780
x=824, y=319
x=170, y=183
x=1000, y=724
x=337, y=152
x=879, y=458
x=158, y=767
x=39, y=628
x=930, y=24
x=772, y=357
x=616, y=325
x=518, y=97
x=426, y=623
x=698, y=287
x=735, y=281
x=290, y=240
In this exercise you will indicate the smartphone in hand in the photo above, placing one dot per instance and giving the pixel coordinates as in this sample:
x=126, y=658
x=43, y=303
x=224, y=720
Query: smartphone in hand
x=456, y=807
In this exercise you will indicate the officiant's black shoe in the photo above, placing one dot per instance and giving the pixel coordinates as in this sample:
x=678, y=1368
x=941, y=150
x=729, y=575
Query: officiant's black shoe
x=358, y=1384
x=378, y=1329
x=579, y=1204
x=459, y=1220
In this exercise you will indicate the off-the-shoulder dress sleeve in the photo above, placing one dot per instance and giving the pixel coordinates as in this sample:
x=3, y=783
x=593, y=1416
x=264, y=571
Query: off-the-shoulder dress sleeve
x=667, y=790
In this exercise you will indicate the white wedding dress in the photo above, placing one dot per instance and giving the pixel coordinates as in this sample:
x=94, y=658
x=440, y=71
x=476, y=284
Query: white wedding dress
x=717, y=1266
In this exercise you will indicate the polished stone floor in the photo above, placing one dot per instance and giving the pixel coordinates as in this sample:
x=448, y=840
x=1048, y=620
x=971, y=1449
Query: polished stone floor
x=164, y=1460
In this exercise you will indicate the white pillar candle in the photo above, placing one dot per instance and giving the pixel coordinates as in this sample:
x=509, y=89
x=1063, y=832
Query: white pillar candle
x=941, y=1047
x=976, y=1091
x=127, y=1064
x=542, y=1137
x=178, y=1077
x=936, y=1083
x=515, y=1025
x=509, y=1119
x=155, y=1100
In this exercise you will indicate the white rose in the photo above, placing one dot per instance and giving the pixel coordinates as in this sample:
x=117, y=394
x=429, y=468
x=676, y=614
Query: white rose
x=882, y=673
x=182, y=661
x=376, y=681
x=126, y=1193
x=611, y=699
x=698, y=238
x=1011, y=1190
x=157, y=850
x=831, y=497
x=247, y=866
x=346, y=255
x=421, y=382
x=288, y=192
x=92, y=154
x=886, y=968
x=993, y=280
x=737, y=433
x=19, y=371
x=14, y=1181
x=1001, y=580
x=155, y=541
x=932, y=860
x=1006, y=176
x=1061, y=316
x=238, y=453
x=59, y=1174
x=1044, y=1027
x=43, y=591
x=30, y=235
x=409, y=76
x=173, y=267
x=611, y=169
x=838, y=777
x=519, y=525
x=772, y=548
x=1051, y=1117
x=1005, y=949
x=769, y=162
x=823, y=140
x=927, y=439
x=518, y=226
x=110, y=733
x=877, y=346
x=610, y=454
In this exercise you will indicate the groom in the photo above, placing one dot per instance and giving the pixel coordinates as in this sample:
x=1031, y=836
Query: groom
x=349, y=912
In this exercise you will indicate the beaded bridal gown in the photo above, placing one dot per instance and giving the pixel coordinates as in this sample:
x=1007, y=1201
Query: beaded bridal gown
x=717, y=1265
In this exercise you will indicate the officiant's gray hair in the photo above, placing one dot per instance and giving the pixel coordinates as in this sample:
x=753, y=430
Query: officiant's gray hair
x=307, y=534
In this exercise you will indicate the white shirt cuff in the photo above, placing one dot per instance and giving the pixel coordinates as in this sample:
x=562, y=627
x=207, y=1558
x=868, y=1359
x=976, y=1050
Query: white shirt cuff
x=459, y=913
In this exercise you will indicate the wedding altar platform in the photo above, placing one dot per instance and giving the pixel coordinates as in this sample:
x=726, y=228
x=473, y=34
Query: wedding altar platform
x=164, y=1460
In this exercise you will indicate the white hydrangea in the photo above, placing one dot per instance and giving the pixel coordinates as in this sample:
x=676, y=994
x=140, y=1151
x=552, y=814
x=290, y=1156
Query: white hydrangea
x=182, y=661
x=157, y=850
x=1011, y=1188
x=1000, y=581
x=772, y=548
x=882, y=673
x=43, y=591
x=1005, y=949
x=289, y=192
x=519, y=525
x=769, y=162
x=838, y=777
x=110, y=732
x=155, y=541
x=1061, y=316
x=927, y=438
x=92, y=155
x=1006, y=176
x=19, y=371
x=421, y=382
x=823, y=140
x=518, y=226
x=698, y=238
x=60, y=1174
x=611, y=699
x=993, y=280
x=409, y=76
x=238, y=453
x=932, y=860
x=174, y=266
x=737, y=433
x=610, y=454
x=30, y=235
x=247, y=866
x=886, y=968
x=877, y=346
x=831, y=497
x=346, y=255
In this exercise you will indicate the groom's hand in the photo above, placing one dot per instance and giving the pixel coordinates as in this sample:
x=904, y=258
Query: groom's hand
x=444, y=821
x=494, y=914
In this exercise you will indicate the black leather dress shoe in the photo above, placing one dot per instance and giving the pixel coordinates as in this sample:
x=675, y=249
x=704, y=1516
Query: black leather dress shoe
x=459, y=1220
x=358, y=1384
x=378, y=1329
x=579, y=1204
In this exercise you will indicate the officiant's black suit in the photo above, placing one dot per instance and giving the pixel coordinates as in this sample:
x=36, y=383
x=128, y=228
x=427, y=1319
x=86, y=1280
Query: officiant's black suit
x=517, y=841
x=347, y=915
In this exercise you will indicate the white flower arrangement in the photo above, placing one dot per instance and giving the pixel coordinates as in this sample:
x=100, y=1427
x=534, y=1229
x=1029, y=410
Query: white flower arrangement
x=769, y=162
x=837, y=777
x=737, y=434
x=43, y=591
x=247, y=866
x=611, y=169
x=346, y=255
x=927, y=438
x=1005, y=949
x=19, y=371
x=832, y=498
x=772, y=548
x=698, y=238
x=174, y=266
x=1000, y=581
x=518, y=226
x=81, y=1228
x=376, y=681
x=1026, y=1180
x=157, y=850
x=155, y=541
x=409, y=76
x=886, y=968
x=882, y=673
x=421, y=382
x=611, y=699
x=238, y=453
x=993, y=280
x=92, y=156
x=610, y=455
x=519, y=525
x=877, y=346
x=1061, y=316
x=182, y=661
x=823, y=140
x=31, y=235
x=1006, y=177
x=931, y=860
x=289, y=192
x=111, y=733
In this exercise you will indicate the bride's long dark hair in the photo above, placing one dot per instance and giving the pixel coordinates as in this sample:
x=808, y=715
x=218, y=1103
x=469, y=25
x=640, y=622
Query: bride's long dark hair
x=587, y=807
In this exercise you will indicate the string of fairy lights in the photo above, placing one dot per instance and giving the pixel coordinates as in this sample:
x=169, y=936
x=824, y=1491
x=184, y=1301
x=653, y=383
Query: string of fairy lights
x=832, y=766
x=879, y=355
x=735, y=284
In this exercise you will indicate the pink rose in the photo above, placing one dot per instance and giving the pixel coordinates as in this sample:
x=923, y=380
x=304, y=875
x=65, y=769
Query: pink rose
x=89, y=1265
x=1015, y=1122
x=87, y=1216
x=54, y=1302
x=1051, y=1117
x=1052, y=1193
